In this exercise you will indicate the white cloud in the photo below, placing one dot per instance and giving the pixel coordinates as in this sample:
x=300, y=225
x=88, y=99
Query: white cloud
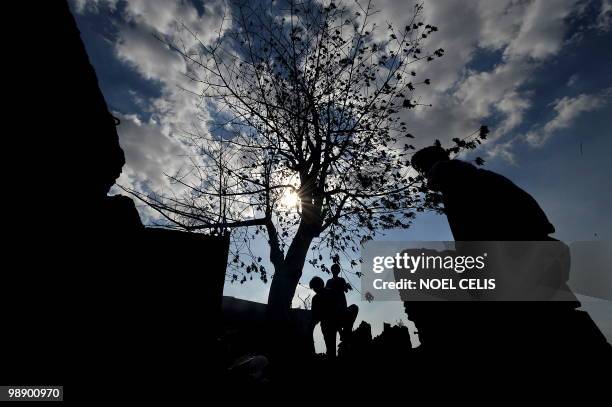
x=573, y=80
x=604, y=20
x=150, y=57
x=525, y=34
x=502, y=150
x=542, y=30
x=500, y=21
x=567, y=110
x=82, y=6
x=480, y=92
x=462, y=98
x=155, y=147
x=513, y=106
x=149, y=152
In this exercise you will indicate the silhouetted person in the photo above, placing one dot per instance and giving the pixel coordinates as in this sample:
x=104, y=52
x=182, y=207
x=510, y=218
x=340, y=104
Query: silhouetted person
x=324, y=311
x=338, y=286
x=480, y=204
x=333, y=319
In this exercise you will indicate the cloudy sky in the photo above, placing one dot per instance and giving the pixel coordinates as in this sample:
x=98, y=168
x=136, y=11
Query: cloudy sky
x=538, y=72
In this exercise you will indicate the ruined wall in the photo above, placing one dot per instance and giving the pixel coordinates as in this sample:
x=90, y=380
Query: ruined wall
x=87, y=286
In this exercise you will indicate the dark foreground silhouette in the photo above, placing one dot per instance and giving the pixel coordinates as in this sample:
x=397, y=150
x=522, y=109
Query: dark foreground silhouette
x=91, y=297
x=99, y=297
x=484, y=206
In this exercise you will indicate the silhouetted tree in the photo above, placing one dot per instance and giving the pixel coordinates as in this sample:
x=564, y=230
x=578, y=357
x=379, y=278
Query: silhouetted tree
x=306, y=143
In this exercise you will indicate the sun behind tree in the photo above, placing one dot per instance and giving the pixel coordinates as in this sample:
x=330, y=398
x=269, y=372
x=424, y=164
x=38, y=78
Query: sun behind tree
x=306, y=144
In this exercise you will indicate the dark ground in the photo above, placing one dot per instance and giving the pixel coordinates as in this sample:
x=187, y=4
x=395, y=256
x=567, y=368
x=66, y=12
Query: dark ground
x=81, y=310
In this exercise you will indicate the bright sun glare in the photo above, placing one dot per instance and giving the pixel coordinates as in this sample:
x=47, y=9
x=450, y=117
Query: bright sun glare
x=290, y=199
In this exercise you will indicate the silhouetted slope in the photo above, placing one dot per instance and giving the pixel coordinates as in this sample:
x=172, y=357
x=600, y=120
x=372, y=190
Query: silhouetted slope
x=64, y=155
x=93, y=290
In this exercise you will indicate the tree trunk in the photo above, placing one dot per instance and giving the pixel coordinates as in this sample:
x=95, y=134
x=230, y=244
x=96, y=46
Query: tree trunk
x=288, y=273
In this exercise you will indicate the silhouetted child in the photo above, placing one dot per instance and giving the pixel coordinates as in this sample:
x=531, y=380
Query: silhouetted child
x=338, y=286
x=324, y=310
x=333, y=317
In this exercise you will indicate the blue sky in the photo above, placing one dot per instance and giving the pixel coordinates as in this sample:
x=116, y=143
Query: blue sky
x=537, y=72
